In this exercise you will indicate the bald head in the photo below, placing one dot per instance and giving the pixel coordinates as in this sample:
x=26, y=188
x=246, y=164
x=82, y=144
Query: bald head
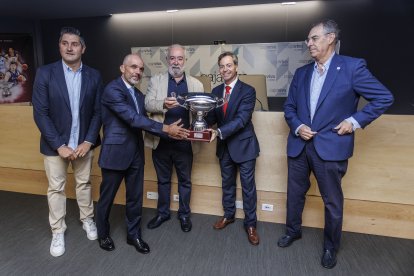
x=128, y=58
x=132, y=68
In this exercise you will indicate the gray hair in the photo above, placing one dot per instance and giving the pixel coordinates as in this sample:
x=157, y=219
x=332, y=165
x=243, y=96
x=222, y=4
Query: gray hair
x=175, y=46
x=72, y=31
x=329, y=26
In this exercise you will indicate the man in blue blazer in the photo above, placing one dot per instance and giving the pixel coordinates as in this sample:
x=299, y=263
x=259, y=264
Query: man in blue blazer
x=321, y=111
x=122, y=152
x=66, y=109
x=237, y=146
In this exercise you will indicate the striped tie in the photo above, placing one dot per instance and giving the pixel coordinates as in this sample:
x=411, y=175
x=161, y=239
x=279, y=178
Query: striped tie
x=132, y=92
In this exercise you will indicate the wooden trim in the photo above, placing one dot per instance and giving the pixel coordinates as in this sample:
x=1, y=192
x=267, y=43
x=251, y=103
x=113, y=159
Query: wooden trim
x=378, y=190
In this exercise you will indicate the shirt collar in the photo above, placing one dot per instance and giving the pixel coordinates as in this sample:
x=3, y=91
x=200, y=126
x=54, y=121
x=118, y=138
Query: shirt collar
x=68, y=69
x=126, y=83
x=326, y=64
x=232, y=84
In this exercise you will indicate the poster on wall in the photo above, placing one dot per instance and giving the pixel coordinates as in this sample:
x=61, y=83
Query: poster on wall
x=277, y=61
x=16, y=68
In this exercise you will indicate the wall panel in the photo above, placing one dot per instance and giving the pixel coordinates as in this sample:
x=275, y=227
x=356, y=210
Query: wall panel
x=378, y=190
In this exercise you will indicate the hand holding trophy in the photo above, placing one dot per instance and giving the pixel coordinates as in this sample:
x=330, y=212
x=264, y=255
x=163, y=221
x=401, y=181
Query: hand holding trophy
x=199, y=104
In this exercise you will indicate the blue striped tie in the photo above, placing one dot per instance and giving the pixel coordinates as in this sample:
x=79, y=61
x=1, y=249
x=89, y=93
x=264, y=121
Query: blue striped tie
x=132, y=92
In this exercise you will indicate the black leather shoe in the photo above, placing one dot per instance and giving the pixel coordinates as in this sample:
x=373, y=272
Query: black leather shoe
x=287, y=240
x=157, y=221
x=140, y=245
x=186, y=224
x=328, y=258
x=106, y=243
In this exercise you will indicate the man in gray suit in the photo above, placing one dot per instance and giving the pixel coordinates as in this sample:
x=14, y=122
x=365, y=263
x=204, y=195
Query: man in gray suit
x=160, y=101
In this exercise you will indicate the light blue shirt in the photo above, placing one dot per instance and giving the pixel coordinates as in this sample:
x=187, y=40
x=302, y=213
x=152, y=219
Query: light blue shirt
x=73, y=83
x=318, y=79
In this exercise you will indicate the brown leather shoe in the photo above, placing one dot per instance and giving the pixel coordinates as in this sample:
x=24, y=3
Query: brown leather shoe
x=222, y=222
x=252, y=235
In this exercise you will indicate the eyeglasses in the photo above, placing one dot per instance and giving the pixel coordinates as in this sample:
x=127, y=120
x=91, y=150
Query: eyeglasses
x=314, y=38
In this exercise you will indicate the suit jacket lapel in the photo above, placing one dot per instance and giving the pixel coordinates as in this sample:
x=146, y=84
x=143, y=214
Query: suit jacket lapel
x=190, y=84
x=60, y=78
x=165, y=80
x=234, y=98
x=308, y=79
x=220, y=95
x=126, y=91
x=84, y=85
x=330, y=79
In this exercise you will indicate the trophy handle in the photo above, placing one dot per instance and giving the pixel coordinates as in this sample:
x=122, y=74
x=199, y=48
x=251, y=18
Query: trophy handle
x=221, y=101
x=174, y=95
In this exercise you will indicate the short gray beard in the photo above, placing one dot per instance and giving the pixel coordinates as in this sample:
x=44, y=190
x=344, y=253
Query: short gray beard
x=176, y=72
x=133, y=82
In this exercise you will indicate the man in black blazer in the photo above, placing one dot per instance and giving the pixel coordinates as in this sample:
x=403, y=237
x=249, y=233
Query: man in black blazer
x=122, y=153
x=237, y=146
x=66, y=109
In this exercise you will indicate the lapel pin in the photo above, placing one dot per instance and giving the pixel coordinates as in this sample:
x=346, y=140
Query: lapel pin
x=338, y=68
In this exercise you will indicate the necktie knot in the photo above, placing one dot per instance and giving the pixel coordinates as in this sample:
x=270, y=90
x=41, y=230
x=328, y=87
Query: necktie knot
x=228, y=88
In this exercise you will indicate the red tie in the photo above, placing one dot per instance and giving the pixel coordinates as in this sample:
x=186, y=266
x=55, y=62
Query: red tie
x=228, y=88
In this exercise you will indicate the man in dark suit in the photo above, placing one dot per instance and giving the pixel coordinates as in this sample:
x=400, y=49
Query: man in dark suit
x=122, y=153
x=237, y=146
x=66, y=109
x=321, y=111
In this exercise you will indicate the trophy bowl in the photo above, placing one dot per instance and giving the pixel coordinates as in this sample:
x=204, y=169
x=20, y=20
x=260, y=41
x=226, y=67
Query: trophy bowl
x=199, y=103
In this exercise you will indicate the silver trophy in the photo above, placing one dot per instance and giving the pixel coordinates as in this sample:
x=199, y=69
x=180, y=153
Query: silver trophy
x=199, y=104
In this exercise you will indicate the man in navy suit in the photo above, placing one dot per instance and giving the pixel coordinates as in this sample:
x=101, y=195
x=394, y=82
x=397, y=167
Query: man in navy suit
x=321, y=111
x=122, y=153
x=237, y=146
x=66, y=109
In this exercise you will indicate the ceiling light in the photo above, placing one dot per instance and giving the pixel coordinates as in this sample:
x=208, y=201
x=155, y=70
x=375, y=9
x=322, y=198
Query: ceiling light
x=169, y=11
x=288, y=3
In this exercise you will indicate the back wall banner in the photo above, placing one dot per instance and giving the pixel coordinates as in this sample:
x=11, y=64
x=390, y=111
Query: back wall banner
x=16, y=68
x=277, y=61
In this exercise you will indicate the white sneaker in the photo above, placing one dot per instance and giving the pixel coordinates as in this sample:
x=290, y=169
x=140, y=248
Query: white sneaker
x=90, y=228
x=57, y=247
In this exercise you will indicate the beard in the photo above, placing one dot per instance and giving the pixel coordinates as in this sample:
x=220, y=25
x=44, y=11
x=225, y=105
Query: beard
x=176, y=71
x=134, y=80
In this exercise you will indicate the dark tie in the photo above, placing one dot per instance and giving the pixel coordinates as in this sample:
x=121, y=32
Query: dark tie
x=228, y=88
x=132, y=92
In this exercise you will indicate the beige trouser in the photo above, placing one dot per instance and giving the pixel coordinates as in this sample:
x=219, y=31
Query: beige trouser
x=56, y=172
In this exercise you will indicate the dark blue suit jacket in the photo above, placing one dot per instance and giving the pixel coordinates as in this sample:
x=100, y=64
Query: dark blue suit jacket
x=236, y=127
x=122, y=126
x=347, y=79
x=51, y=107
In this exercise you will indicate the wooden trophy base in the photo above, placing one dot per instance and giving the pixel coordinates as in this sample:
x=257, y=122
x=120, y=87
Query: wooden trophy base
x=202, y=136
